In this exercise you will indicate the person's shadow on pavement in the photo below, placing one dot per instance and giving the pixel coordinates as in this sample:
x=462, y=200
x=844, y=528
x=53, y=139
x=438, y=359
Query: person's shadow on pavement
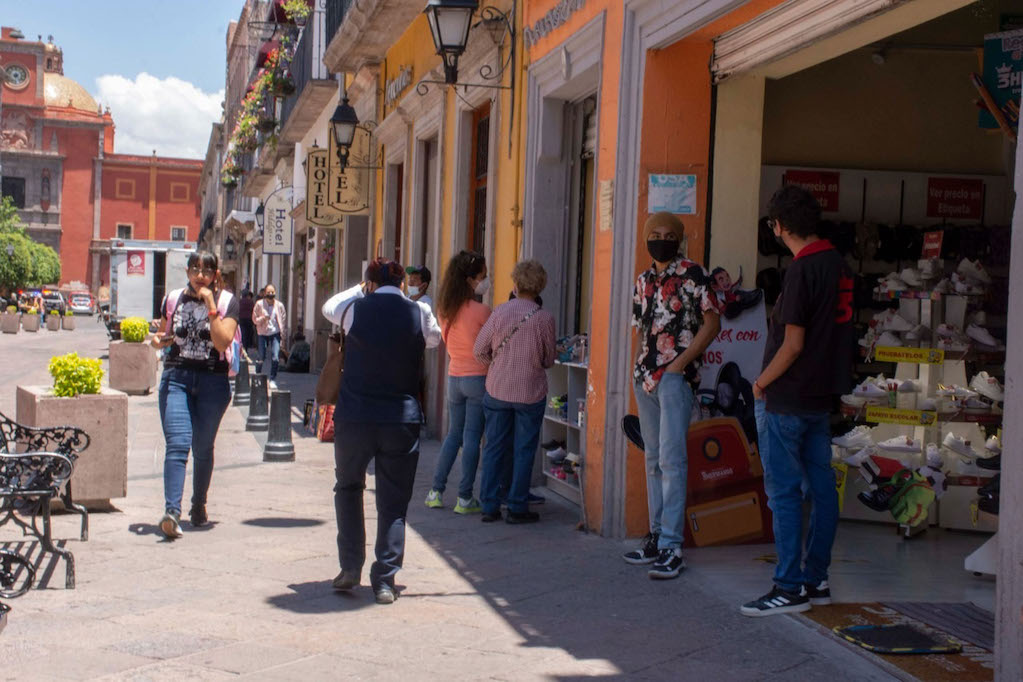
x=153, y=529
x=319, y=596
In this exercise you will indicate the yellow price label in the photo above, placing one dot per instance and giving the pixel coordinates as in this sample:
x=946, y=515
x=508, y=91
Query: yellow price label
x=919, y=356
x=891, y=415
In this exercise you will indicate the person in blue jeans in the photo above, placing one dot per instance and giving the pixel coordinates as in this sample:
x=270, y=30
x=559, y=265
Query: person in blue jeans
x=461, y=318
x=807, y=365
x=676, y=313
x=197, y=327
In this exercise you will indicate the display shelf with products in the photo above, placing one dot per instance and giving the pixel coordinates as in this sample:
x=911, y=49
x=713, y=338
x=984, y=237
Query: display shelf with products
x=564, y=422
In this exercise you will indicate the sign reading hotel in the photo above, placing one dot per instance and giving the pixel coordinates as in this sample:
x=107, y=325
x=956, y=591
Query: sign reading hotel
x=395, y=86
x=348, y=192
x=955, y=198
x=318, y=210
x=823, y=185
x=278, y=225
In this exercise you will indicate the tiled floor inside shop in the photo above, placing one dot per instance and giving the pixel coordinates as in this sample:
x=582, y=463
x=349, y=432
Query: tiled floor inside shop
x=871, y=563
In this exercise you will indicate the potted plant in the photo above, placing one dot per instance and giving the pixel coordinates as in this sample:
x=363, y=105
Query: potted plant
x=30, y=320
x=10, y=321
x=133, y=363
x=53, y=321
x=296, y=11
x=68, y=323
x=78, y=398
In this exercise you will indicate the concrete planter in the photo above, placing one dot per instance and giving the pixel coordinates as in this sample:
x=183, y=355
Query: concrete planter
x=101, y=473
x=30, y=323
x=10, y=323
x=53, y=323
x=67, y=323
x=134, y=367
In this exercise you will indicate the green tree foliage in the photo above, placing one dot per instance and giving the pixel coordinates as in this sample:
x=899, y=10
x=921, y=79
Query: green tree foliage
x=31, y=263
x=74, y=375
x=45, y=265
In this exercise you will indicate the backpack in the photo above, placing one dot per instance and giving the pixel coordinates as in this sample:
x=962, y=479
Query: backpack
x=911, y=497
x=233, y=353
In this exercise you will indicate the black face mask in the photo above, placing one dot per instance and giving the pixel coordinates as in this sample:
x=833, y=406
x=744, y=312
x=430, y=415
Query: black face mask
x=663, y=250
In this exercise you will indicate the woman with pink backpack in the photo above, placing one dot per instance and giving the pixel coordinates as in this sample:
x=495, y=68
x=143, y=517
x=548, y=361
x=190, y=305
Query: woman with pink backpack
x=199, y=329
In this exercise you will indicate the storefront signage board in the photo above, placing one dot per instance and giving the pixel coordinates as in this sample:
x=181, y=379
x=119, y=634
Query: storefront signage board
x=395, y=86
x=955, y=198
x=932, y=245
x=278, y=225
x=555, y=18
x=823, y=185
x=136, y=263
x=1003, y=74
x=348, y=192
x=891, y=415
x=317, y=207
x=672, y=193
x=917, y=356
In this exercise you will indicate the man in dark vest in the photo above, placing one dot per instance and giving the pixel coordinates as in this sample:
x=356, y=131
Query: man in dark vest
x=378, y=417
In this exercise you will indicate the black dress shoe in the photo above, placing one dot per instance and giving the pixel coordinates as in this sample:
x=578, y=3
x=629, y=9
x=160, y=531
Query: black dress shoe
x=522, y=517
x=490, y=518
x=992, y=488
x=988, y=504
x=990, y=463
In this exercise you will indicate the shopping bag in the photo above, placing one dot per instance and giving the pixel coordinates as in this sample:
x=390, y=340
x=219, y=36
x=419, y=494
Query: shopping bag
x=329, y=384
x=325, y=423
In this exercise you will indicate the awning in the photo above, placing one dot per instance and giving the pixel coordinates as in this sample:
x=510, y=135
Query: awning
x=242, y=221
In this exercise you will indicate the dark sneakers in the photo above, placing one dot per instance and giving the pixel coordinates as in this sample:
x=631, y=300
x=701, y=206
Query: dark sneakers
x=646, y=554
x=197, y=515
x=490, y=517
x=668, y=565
x=522, y=517
x=776, y=601
x=346, y=581
x=819, y=594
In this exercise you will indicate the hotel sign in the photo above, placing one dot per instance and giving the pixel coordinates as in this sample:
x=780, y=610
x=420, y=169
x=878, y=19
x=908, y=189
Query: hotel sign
x=318, y=210
x=278, y=225
x=555, y=18
x=331, y=194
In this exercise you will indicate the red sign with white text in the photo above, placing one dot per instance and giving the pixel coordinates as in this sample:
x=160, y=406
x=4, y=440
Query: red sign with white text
x=822, y=184
x=932, y=245
x=955, y=198
x=136, y=262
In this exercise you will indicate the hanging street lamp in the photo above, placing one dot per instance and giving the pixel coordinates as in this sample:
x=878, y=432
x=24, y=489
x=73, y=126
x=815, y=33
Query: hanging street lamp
x=450, y=21
x=343, y=123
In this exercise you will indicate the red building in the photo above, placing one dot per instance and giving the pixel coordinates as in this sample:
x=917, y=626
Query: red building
x=73, y=193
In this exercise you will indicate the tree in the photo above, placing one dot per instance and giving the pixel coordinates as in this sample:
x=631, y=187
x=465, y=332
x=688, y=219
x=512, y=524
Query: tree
x=30, y=262
x=45, y=265
x=16, y=268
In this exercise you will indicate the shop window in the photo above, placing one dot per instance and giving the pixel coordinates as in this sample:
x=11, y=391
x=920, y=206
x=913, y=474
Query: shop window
x=179, y=234
x=427, y=186
x=15, y=189
x=124, y=188
x=478, y=178
x=180, y=192
x=124, y=231
x=396, y=178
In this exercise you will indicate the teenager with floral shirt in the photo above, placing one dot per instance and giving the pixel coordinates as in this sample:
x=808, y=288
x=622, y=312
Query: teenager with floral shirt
x=676, y=314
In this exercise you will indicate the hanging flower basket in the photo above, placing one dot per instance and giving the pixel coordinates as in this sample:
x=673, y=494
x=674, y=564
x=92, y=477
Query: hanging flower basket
x=266, y=125
x=284, y=85
x=229, y=182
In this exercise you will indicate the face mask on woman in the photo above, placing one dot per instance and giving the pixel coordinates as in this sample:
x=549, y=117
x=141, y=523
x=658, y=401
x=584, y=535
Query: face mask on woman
x=662, y=250
x=483, y=287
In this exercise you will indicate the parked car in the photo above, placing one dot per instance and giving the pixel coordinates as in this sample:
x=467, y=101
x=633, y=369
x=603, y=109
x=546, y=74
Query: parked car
x=53, y=300
x=82, y=303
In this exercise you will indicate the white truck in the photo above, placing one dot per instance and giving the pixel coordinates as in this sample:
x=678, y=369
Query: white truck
x=141, y=272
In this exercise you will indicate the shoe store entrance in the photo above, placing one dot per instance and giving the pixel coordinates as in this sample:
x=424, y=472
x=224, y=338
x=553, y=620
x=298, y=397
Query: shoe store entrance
x=907, y=141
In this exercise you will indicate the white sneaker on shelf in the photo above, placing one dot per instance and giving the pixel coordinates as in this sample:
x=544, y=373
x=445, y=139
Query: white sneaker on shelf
x=889, y=339
x=952, y=345
x=988, y=386
x=983, y=336
x=927, y=405
x=891, y=321
x=857, y=459
x=909, y=386
x=965, y=286
x=917, y=333
x=900, y=444
x=867, y=340
x=944, y=286
x=853, y=401
x=976, y=405
x=870, y=390
x=912, y=277
x=929, y=267
x=972, y=269
x=993, y=445
x=858, y=438
x=959, y=445
x=953, y=391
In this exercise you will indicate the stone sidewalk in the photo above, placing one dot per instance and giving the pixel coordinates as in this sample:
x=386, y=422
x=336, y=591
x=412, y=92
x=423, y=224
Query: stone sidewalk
x=250, y=596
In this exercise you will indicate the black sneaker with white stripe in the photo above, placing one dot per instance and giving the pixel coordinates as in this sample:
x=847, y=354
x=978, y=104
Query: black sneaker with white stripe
x=646, y=554
x=668, y=565
x=776, y=601
x=819, y=594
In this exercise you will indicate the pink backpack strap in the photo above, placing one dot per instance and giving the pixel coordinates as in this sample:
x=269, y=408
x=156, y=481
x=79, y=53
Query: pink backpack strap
x=170, y=303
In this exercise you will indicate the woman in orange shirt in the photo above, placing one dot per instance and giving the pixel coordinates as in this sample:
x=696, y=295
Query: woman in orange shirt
x=461, y=318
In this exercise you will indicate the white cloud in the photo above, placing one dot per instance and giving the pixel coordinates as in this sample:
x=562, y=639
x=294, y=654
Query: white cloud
x=169, y=115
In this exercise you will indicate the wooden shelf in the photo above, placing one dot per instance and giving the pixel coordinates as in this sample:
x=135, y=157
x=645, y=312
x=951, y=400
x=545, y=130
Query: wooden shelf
x=570, y=491
x=559, y=420
x=859, y=413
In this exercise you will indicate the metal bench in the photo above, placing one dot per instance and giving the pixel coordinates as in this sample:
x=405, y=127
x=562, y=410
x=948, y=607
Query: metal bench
x=36, y=465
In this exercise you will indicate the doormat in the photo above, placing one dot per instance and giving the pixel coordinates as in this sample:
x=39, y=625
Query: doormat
x=974, y=664
x=898, y=639
x=966, y=622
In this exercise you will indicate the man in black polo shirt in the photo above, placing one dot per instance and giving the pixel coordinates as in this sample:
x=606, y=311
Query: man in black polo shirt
x=807, y=364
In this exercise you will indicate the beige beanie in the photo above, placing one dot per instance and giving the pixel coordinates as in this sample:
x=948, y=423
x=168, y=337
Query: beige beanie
x=665, y=220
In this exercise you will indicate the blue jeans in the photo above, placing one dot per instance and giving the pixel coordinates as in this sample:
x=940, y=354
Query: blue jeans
x=515, y=427
x=465, y=429
x=192, y=403
x=271, y=344
x=799, y=449
x=664, y=421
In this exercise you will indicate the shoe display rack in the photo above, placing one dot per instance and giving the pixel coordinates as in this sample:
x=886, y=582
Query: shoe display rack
x=563, y=436
x=937, y=411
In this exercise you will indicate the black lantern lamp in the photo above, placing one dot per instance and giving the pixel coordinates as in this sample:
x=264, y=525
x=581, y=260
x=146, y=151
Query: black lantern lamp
x=343, y=124
x=229, y=248
x=450, y=21
x=259, y=215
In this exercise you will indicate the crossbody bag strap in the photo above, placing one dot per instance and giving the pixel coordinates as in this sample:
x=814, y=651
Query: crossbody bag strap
x=515, y=329
x=341, y=324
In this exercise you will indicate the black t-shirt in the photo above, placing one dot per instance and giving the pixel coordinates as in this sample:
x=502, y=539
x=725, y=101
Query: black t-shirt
x=817, y=294
x=193, y=346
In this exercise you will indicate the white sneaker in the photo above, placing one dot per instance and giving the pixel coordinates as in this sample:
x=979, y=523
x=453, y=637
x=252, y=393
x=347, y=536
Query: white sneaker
x=894, y=283
x=557, y=454
x=900, y=444
x=993, y=445
x=953, y=391
x=918, y=333
x=973, y=270
x=929, y=267
x=909, y=386
x=988, y=386
x=952, y=345
x=869, y=390
x=944, y=286
x=966, y=287
x=982, y=336
x=889, y=339
x=858, y=438
x=856, y=460
x=958, y=445
x=891, y=321
x=853, y=401
x=933, y=456
x=912, y=277
x=868, y=339
x=927, y=405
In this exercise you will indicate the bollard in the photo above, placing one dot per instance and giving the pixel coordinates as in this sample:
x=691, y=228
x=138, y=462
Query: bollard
x=259, y=416
x=279, y=447
x=242, y=391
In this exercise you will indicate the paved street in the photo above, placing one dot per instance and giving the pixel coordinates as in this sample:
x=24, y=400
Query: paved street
x=250, y=596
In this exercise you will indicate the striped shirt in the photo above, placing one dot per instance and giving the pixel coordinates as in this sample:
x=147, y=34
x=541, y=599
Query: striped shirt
x=517, y=372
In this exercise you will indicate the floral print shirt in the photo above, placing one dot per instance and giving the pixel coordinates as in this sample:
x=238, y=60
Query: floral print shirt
x=668, y=309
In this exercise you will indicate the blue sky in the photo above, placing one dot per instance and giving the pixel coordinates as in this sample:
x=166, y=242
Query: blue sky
x=159, y=64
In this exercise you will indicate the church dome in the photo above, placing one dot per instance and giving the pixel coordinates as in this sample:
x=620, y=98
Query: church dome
x=61, y=91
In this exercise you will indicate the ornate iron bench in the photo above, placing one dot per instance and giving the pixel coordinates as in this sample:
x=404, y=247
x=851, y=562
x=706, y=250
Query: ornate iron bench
x=36, y=465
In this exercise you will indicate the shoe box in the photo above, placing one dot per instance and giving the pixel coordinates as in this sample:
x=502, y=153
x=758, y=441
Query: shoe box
x=957, y=511
x=725, y=503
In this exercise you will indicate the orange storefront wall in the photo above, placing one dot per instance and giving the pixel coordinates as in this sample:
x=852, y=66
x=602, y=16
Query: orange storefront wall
x=125, y=201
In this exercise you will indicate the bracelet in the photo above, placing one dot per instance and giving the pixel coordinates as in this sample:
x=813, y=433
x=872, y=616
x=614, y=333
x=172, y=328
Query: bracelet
x=213, y=313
